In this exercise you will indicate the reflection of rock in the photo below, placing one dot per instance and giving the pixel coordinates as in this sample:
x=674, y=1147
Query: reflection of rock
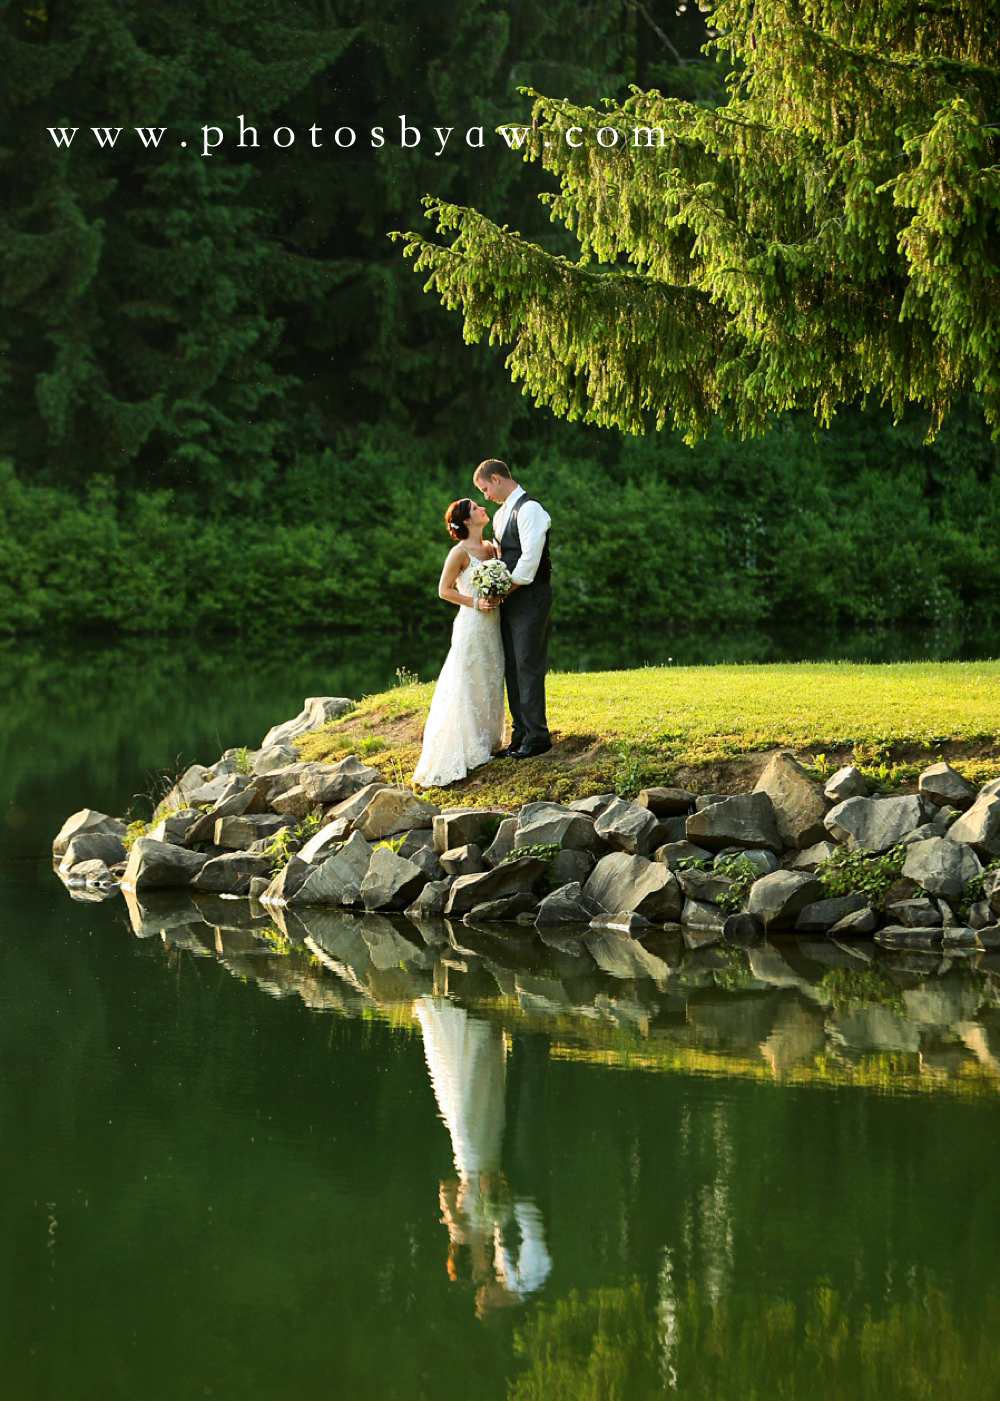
x=624, y=957
x=152, y=915
x=798, y=1035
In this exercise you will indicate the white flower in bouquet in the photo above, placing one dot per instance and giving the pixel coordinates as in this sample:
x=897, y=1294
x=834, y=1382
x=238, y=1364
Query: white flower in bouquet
x=491, y=579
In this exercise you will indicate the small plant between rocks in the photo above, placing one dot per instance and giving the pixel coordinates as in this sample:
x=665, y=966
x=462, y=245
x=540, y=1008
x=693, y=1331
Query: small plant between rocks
x=847, y=871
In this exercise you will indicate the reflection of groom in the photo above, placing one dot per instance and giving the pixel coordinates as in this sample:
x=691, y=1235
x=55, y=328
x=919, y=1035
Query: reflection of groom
x=521, y=531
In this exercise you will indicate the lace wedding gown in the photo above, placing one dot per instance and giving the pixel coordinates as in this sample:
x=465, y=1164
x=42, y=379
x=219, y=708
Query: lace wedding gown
x=466, y=719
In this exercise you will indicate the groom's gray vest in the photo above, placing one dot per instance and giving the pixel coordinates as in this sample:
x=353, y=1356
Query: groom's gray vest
x=510, y=546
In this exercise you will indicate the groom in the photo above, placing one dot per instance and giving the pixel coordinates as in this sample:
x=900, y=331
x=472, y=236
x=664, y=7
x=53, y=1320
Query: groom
x=521, y=530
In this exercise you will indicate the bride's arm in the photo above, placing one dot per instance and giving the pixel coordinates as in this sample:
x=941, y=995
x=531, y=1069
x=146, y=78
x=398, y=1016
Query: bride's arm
x=457, y=559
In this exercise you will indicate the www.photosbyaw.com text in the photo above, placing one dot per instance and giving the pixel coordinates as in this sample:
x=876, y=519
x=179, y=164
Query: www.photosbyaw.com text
x=409, y=136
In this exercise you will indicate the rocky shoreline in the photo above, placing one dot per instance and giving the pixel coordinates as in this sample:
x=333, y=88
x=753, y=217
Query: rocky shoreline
x=910, y=871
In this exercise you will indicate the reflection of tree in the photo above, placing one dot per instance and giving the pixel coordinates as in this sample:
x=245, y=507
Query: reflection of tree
x=605, y=1344
x=496, y=1239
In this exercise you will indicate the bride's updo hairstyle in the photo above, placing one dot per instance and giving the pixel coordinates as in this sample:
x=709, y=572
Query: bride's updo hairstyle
x=456, y=518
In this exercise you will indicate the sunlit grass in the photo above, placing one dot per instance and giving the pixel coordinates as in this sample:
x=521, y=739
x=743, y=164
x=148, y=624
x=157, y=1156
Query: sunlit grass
x=892, y=720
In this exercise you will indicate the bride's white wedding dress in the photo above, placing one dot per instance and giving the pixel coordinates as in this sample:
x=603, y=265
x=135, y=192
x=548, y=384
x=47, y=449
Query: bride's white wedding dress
x=466, y=719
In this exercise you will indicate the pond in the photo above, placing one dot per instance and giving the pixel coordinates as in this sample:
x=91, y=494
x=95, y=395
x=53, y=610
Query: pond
x=248, y=1155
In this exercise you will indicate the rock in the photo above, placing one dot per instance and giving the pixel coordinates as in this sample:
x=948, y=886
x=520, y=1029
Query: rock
x=708, y=886
x=980, y=826
x=960, y=936
x=321, y=785
x=943, y=786
x=622, y=882
x=427, y=859
x=848, y=782
x=743, y=930
x=628, y=828
x=824, y=914
x=876, y=824
x=160, y=866
x=337, y=881
x=979, y=914
x=941, y=867
x=416, y=840
x=991, y=890
x=776, y=900
x=294, y=802
x=287, y=882
x=237, y=833
x=550, y=824
x=274, y=756
x=809, y=859
x=989, y=936
x=393, y=810
x=87, y=820
x=458, y=826
x=175, y=828
x=569, y=866
x=622, y=922
x=797, y=800
x=666, y=802
x=673, y=829
x=509, y=878
x=353, y=806
x=232, y=873
x=430, y=902
x=671, y=854
x=509, y=907
x=391, y=882
x=765, y=861
x=324, y=842
x=233, y=803
x=567, y=905
x=258, y=885
x=90, y=875
x=700, y=914
x=746, y=820
x=592, y=806
x=702, y=936
x=708, y=800
x=315, y=713
x=93, y=846
x=503, y=843
x=463, y=861
x=855, y=925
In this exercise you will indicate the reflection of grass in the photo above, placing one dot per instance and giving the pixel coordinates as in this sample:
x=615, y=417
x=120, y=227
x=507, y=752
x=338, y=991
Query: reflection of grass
x=850, y=989
x=892, y=719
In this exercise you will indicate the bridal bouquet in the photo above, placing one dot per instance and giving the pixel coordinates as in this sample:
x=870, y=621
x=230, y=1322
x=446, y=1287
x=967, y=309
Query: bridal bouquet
x=491, y=578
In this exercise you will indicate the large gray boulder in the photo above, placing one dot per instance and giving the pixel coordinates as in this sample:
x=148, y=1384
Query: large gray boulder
x=709, y=886
x=666, y=802
x=160, y=866
x=848, y=782
x=509, y=878
x=175, y=828
x=231, y=873
x=918, y=913
x=797, y=800
x=237, y=833
x=744, y=820
x=275, y=756
x=569, y=866
x=324, y=842
x=87, y=820
x=338, y=878
x=550, y=824
x=980, y=826
x=315, y=713
x=593, y=805
x=93, y=846
x=824, y=914
x=672, y=854
x=701, y=914
x=621, y=882
x=856, y=925
x=463, y=860
x=941, y=867
x=508, y=908
x=391, y=882
x=567, y=905
x=777, y=899
x=813, y=856
x=393, y=810
x=430, y=903
x=991, y=890
x=876, y=824
x=941, y=784
x=458, y=826
x=628, y=828
x=503, y=843
x=287, y=882
x=233, y=803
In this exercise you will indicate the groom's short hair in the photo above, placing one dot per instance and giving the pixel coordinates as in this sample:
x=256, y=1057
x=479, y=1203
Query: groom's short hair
x=492, y=467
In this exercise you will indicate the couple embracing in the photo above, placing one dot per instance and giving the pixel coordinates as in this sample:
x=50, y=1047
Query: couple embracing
x=493, y=640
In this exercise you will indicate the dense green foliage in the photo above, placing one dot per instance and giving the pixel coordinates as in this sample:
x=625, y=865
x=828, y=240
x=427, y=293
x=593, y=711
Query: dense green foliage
x=225, y=403
x=830, y=233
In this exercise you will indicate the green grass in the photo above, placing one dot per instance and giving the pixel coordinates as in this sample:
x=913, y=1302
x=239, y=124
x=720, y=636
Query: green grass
x=703, y=725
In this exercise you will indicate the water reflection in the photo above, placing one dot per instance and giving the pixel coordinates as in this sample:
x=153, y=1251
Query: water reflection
x=798, y=1010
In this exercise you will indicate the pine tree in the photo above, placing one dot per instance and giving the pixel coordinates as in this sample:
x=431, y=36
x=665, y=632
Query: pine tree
x=830, y=234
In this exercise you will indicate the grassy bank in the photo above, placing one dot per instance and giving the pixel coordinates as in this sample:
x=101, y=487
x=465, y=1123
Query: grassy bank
x=707, y=728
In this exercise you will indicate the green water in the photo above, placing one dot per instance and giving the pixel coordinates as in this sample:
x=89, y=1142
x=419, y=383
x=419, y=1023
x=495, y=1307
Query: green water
x=342, y=1157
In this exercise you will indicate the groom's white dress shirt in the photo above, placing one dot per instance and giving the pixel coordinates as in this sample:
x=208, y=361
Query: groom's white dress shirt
x=532, y=526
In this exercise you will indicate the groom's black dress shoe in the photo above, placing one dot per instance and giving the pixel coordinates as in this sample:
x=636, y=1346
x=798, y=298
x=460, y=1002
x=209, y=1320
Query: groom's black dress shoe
x=528, y=751
x=508, y=751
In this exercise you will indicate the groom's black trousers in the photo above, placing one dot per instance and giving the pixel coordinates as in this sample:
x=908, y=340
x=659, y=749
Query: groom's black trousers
x=524, y=627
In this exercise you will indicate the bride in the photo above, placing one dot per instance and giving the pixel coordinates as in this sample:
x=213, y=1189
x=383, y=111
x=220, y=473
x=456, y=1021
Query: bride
x=466, y=719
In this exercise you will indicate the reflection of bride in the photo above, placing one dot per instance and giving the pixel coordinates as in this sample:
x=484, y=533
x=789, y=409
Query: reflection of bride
x=503, y=1234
